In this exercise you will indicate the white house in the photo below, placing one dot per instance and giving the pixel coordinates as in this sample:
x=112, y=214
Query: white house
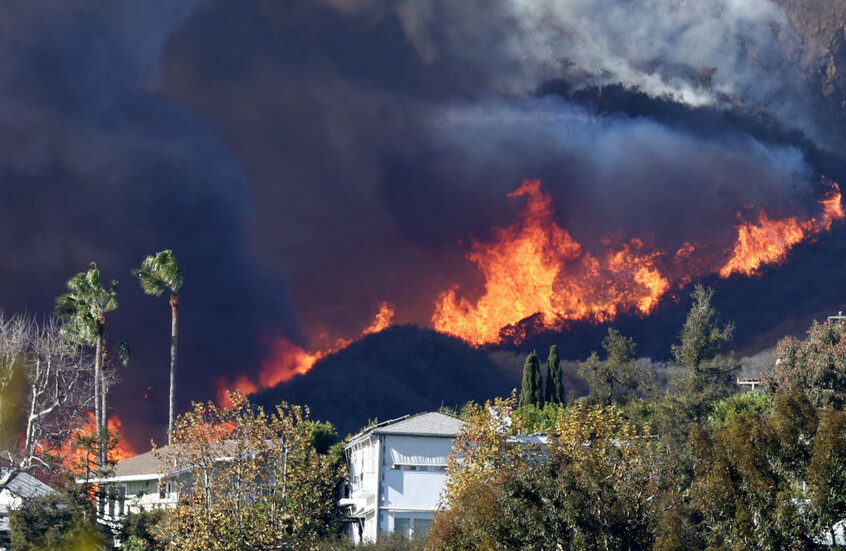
x=23, y=486
x=136, y=485
x=397, y=470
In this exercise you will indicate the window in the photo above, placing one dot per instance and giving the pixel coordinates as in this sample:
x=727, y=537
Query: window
x=421, y=527
x=410, y=528
x=402, y=526
x=165, y=489
x=419, y=468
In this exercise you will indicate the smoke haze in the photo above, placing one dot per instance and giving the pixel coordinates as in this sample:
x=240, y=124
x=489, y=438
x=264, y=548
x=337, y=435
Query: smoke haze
x=308, y=160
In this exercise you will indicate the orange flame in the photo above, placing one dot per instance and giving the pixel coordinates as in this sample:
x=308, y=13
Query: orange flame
x=769, y=241
x=287, y=360
x=534, y=268
x=73, y=455
x=763, y=243
x=122, y=450
x=384, y=319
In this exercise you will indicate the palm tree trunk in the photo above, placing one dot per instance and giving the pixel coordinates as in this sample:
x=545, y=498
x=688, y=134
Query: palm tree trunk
x=104, y=415
x=98, y=392
x=174, y=337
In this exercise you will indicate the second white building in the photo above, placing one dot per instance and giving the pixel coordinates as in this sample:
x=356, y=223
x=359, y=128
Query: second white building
x=397, y=472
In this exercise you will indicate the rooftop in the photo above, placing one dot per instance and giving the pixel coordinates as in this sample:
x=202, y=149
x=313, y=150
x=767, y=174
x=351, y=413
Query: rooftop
x=422, y=424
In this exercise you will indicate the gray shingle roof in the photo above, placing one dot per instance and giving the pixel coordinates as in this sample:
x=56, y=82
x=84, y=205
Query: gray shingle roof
x=142, y=464
x=148, y=464
x=26, y=485
x=422, y=424
x=22, y=485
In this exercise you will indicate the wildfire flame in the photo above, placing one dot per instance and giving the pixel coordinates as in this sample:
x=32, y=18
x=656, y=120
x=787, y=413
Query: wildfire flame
x=73, y=456
x=535, y=268
x=768, y=241
x=287, y=360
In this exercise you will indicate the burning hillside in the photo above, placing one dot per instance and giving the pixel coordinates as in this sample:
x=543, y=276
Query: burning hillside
x=535, y=269
x=287, y=360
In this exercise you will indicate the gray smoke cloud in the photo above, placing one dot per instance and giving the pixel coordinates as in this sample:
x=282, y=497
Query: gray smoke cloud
x=378, y=136
x=727, y=53
x=633, y=176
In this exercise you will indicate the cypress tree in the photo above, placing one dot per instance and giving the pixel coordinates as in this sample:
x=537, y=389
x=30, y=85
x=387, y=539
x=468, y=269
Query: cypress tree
x=554, y=386
x=532, y=391
x=536, y=373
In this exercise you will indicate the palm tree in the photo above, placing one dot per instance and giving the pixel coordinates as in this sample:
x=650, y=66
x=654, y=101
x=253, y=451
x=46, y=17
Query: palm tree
x=161, y=272
x=84, y=310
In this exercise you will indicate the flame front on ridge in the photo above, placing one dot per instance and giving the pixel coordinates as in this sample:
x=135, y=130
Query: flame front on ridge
x=535, y=268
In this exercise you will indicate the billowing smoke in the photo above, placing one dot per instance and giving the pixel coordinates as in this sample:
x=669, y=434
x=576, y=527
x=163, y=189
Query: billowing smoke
x=96, y=165
x=309, y=160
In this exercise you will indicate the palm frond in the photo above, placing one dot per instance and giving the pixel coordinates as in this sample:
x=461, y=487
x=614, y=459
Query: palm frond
x=160, y=272
x=83, y=304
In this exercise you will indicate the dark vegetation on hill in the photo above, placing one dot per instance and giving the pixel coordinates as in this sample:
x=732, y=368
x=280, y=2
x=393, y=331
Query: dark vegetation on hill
x=407, y=369
x=402, y=370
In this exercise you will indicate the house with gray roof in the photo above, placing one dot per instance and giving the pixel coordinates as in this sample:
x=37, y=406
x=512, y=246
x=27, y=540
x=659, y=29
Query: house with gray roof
x=22, y=486
x=397, y=471
x=144, y=482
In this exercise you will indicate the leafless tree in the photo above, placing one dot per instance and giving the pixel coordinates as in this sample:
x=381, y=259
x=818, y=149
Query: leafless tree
x=45, y=388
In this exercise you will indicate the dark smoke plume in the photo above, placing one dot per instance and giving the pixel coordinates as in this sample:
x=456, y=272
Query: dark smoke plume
x=309, y=159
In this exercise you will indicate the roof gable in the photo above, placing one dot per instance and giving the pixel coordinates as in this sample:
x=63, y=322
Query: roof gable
x=422, y=424
x=26, y=485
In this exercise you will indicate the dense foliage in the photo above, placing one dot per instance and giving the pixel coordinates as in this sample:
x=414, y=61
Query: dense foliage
x=257, y=480
x=60, y=521
x=695, y=467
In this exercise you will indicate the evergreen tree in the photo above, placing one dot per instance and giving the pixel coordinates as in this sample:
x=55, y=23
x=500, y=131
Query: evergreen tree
x=618, y=375
x=532, y=390
x=554, y=386
x=707, y=375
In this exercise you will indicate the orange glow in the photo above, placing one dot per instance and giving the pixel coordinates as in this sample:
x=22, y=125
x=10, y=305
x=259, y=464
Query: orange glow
x=74, y=457
x=768, y=241
x=535, y=269
x=287, y=360
x=384, y=319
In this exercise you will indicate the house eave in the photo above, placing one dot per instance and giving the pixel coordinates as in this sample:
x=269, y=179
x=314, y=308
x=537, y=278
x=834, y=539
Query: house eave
x=124, y=478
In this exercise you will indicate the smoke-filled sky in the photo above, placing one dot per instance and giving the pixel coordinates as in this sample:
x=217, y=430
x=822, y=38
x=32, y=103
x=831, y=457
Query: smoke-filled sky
x=308, y=159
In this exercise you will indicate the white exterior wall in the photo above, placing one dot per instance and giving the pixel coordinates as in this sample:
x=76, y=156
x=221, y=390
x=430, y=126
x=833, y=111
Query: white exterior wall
x=414, y=473
x=134, y=496
x=364, y=463
x=396, y=483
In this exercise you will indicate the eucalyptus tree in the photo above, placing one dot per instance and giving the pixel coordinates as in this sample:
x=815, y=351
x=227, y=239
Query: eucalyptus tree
x=84, y=308
x=161, y=272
